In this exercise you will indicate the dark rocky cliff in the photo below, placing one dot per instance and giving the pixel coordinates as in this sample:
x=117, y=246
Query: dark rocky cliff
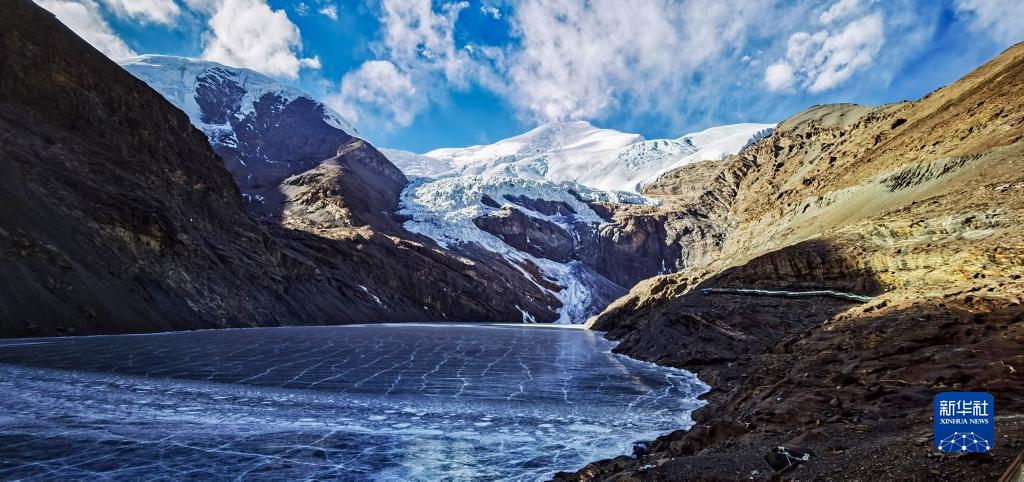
x=117, y=216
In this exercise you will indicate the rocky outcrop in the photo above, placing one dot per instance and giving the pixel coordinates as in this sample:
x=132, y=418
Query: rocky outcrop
x=116, y=213
x=356, y=187
x=637, y=242
x=537, y=236
x=265, y=131
x=631, y=248
x=117, y=216
x=543, y=206
x=917, y=205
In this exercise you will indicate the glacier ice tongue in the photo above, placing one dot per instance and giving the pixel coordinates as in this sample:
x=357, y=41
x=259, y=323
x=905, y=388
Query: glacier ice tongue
x=444, y=210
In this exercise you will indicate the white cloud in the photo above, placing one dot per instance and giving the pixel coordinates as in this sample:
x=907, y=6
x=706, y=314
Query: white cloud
x=330, y=11
x=378, y=93
x=675, y=62
x=843, y=9
x=146, y=11
x=203, y=6
x=827, y=58
x=1002, y=20
x=84, y=18
x=779, y=76
x=418, y=53
x=310, y=63
x=580, y=59
x=419, y=39
x=248, y=33
x=565, y=63
x=490, y=11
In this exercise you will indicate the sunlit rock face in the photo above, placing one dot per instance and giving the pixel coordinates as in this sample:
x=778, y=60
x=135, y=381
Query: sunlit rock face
x=386, y=401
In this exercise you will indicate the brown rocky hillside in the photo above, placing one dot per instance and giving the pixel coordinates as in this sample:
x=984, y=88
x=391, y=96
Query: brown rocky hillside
x=917, y=205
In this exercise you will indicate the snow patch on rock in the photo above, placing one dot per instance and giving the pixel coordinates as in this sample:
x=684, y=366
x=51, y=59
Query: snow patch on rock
x=177, y=79
x=444, y=210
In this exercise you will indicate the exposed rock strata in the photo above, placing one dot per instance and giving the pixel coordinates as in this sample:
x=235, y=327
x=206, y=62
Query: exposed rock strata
x=919, y=205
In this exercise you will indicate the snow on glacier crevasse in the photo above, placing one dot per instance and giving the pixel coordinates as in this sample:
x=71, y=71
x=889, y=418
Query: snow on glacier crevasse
x=444, y=210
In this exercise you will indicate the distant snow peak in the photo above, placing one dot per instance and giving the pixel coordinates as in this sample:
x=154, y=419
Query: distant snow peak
x=183, y=81
x=577, y=151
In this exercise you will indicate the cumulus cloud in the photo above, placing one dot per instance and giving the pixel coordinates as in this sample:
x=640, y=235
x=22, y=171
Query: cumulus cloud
x=1002, y=20
x=419, y=61
x=330, y=11
x=491, y=11
x=674, y=62
x=844, y=9
x=145, y=11
x=419, y=39
x=378, y=93
x=581, y=58
x=565, y=62
x=248, y=33
x=779, y=76
x=84, y=18
x=825, y=59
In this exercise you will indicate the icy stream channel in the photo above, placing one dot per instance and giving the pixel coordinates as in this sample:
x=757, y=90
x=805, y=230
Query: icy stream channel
x=384, y=402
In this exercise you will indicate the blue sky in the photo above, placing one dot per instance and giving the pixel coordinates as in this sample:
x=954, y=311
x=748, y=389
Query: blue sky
x=417, y=75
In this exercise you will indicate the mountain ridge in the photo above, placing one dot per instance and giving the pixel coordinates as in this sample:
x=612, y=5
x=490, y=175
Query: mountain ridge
x=917, y=206
x=250, y=118
x=119, y=217
x=580, y=152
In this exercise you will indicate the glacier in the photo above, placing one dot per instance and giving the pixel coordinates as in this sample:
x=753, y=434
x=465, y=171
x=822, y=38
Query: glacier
x=569, y=162
x=580, y=152
x=444, y=210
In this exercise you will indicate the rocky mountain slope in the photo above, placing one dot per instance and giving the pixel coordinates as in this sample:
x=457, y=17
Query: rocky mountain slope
x=117, y=216
x=282, y=147
x=579, y=152
x=347, y=192
x=531, y=201
x=919, y=207
x=560, y=234
x=251, y=119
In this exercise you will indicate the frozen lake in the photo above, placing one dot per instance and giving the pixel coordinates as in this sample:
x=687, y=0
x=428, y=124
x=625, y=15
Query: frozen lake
x=387, y=402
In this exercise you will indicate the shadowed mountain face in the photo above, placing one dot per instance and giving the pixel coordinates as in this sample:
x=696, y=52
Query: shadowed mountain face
x=298, y=167
x=918, y=205
x=268, y=132
x=117, y=216
x=264, y=130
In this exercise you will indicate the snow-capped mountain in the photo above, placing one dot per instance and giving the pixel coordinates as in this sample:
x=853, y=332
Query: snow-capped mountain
x=264, y=130
x=579, y=152
x=418, y=165
x=539, y=203
x=530, y=199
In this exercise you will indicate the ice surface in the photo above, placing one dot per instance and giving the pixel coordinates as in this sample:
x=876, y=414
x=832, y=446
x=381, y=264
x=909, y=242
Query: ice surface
x=420, y=402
